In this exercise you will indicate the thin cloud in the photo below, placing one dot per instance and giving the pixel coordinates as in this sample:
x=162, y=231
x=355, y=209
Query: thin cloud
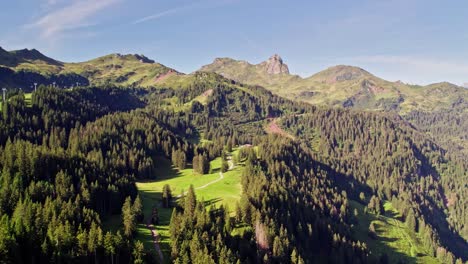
x=158, y=15
x=172, y=11
x=69, y=17
x=164, y=13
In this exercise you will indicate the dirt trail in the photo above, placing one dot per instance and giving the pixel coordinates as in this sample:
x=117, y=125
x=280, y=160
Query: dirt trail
x=154, y=234
x=156, y=238
x=221, y=176
x=274, y=128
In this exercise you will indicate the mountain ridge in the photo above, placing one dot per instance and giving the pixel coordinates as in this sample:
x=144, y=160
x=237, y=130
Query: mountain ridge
x=344, y=86
x=336, y=86
x=119, y=69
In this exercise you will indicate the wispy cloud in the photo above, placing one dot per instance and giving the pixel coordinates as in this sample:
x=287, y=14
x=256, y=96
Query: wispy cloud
x=70, y=17
x=183, y=8
x=164, y=13
x=157, y=15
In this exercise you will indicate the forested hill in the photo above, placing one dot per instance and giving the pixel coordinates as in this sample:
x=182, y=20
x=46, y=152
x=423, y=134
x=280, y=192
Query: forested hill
x=319, y=185
x=440, y=109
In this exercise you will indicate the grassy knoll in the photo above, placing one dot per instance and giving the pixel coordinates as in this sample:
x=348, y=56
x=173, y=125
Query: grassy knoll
x=393, y=236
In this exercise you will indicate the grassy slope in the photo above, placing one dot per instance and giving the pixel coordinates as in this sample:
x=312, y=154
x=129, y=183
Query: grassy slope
x=327, y=90
x=330, y=87
x=226, y=191
x=393, y=237
x=126, y=70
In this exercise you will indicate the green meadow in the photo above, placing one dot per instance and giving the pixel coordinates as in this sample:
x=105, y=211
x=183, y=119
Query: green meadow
x=393, y=236
x=211, y=188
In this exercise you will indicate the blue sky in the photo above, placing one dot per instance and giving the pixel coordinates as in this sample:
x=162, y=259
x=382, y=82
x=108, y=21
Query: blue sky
x=416, y=41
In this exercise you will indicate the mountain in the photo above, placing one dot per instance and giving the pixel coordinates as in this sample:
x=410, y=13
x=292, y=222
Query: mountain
x=126, y=70
x=34, y=56
x=272, y=73
x=338, y=86
x=33, y=66
x=341, y=85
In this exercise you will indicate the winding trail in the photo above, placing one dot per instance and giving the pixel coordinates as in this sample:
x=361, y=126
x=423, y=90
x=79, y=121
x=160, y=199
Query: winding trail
x=154, y=234
x=156, y=238
x=221, y=177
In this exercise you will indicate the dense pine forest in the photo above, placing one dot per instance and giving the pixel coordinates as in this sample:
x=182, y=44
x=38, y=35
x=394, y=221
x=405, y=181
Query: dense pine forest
x=71, y=158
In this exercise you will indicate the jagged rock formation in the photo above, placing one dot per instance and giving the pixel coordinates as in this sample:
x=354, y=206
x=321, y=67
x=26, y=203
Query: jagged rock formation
x=275, y=65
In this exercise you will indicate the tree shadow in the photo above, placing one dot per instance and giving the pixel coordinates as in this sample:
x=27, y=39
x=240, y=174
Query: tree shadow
x=394, y=215
x=453, y=241
x=380, y=243
x=165, y=170
x=211, y=202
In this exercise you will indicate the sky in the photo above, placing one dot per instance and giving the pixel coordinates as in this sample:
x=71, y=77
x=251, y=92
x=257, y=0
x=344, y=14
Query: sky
x=415, y=41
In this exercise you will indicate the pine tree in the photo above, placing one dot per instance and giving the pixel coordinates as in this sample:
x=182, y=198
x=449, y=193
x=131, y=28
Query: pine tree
x=411, y=221
x=238, y=211
x=109, y=246
x=128, y=218
x=224, y=166
x=166, y=196
x=294, y=259
x=138, y=253
x=138, y=209
x=190, y=202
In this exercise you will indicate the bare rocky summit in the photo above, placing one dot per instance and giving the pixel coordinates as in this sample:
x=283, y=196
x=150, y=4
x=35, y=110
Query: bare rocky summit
x=275, y=65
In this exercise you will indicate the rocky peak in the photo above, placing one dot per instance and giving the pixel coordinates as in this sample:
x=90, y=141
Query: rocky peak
x=143, y=59
x=33, y=55
x=275, y=65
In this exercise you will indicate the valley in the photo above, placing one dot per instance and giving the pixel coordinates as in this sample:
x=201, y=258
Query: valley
x=252, y=175
x=233, y=132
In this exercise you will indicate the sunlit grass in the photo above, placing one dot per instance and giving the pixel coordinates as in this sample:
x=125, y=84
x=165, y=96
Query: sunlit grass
x=225, y=192
x=393, y=236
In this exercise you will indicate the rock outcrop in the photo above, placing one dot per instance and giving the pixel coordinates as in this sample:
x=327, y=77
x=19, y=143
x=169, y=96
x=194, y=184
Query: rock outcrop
x=275, y=65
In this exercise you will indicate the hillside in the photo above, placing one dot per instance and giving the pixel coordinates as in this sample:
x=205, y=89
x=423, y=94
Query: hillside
x=22, y=68
x=311, y=183
x=342, y=85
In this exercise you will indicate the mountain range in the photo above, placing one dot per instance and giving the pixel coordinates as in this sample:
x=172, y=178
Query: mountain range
x=344, y=86
x=33, y=66
x=341, y=85
x=350, y=169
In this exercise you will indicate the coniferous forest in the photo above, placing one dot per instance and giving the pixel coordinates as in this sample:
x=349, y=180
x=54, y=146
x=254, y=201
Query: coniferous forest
x=351, y=147
x=310, y=177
